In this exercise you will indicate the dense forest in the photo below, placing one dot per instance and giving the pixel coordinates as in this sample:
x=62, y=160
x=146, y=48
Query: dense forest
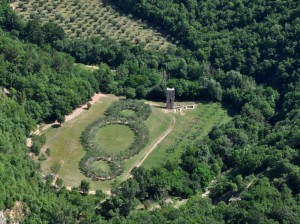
x=244, y=54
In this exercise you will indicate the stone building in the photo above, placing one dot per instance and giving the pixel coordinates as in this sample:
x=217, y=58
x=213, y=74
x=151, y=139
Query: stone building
x=170, y=101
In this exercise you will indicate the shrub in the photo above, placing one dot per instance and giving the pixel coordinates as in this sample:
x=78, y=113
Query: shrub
x=48, y=152
x=84, y=186
x=55, y=167
x=59, y=182
x=37, y=143
x=141, y=109
x=61, y=119
x=42, y=157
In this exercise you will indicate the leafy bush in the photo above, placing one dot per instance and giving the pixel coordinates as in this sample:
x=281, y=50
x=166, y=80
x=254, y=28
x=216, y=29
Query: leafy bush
x=37, y=143
x=55, y=167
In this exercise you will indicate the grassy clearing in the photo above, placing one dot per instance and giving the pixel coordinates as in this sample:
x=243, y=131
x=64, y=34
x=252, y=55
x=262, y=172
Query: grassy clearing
x=86, y=18
x=103, y=165
x=190, y=126
x=64, y=143
x=115, y=138
x=158, y=123
x=128, y=113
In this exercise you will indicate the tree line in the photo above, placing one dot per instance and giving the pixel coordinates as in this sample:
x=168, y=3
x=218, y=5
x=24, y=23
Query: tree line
x=236, y=46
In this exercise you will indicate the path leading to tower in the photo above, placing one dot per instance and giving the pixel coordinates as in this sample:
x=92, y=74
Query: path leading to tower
x=151, y=148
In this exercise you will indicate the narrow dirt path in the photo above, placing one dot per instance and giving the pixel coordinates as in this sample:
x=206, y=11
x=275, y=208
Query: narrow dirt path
x=13, y=5
x=90, y=192
x=151, y=148
x=239, y=196
x=79, y=110
x=94, y=67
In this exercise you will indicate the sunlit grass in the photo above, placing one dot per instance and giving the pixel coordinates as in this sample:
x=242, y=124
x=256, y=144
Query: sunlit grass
x=114, y=138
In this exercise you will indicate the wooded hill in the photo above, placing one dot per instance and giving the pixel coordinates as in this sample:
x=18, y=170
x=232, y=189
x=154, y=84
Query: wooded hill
x=243, y=53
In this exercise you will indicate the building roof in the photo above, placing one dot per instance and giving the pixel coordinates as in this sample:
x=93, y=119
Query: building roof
x=170, y=89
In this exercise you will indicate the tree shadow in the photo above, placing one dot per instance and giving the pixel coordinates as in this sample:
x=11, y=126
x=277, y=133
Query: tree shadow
x=157, y=106
x=55, y=126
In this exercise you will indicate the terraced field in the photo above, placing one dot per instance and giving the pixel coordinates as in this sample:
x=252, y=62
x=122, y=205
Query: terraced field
x=81, y=18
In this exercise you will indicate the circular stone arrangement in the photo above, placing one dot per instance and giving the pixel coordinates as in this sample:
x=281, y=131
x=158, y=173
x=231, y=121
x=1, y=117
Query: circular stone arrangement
x=115, y=161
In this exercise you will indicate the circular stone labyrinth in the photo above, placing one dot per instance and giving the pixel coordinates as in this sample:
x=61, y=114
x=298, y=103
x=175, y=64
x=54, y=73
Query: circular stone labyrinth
x=114, y=138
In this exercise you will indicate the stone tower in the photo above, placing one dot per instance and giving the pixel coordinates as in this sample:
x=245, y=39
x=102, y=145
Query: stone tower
x=170, y=102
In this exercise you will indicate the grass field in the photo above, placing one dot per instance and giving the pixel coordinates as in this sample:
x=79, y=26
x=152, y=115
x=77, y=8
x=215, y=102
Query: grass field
x=128, y=113
x=114, y=138
x=66, y=149
x=81, y=18
x=64, y=143
x=190, y=126
x=102, y=165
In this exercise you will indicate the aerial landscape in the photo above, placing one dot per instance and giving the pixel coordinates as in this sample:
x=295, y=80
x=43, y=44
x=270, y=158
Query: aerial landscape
x=150, y=111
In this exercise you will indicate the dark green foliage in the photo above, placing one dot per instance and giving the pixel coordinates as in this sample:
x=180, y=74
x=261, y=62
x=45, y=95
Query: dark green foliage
x=38, y=141
x=55, y=167
x=105, y=79
x=89, y=105
x=59, y=182
x=53, y=32
x=84, y=187
x=61, y=119
x=255, y=157
x=258, y=38
x=49, y=84
x=130, y=93
x=48, y=151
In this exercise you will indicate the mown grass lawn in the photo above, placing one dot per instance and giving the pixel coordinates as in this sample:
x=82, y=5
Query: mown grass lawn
x=65, y=146
x=190, y=125
x=128, y=113
x=114, y=138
